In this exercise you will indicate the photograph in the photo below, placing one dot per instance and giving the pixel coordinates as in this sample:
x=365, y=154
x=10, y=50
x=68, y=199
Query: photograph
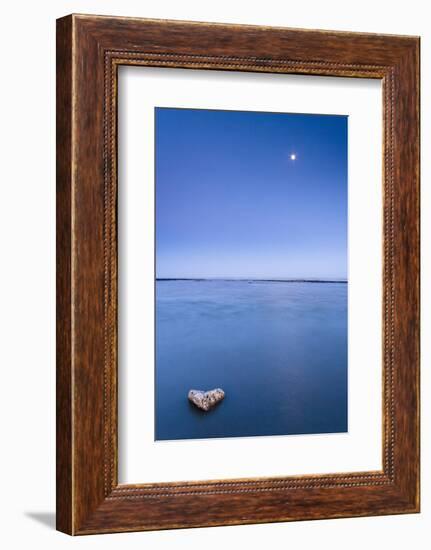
x=251, y=263
x=211, y=283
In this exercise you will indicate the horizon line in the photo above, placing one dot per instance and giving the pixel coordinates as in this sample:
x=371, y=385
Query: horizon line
x=253, y=279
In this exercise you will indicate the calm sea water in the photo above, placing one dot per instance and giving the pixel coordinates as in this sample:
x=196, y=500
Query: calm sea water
x=278, y=350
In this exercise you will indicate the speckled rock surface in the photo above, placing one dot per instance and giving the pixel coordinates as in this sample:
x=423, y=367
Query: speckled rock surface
x=206, y=400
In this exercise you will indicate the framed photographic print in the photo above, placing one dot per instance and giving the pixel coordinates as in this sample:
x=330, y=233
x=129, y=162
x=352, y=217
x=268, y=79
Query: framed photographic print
x=237, y=274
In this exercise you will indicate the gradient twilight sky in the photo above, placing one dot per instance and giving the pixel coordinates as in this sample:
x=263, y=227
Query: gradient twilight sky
x=231, y=202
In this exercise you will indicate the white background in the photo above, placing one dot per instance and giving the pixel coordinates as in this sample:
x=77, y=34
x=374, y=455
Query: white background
x=27, y=230
x=141, y=458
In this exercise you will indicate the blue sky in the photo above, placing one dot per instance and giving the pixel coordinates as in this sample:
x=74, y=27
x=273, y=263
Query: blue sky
x=231, y=202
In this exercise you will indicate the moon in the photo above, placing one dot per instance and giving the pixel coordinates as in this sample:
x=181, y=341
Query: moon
x=292, y=156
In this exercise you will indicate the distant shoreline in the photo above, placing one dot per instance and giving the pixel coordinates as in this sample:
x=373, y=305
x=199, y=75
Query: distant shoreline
x=251, y=280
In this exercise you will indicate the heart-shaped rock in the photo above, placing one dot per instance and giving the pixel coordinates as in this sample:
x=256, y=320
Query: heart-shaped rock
x=206, y=400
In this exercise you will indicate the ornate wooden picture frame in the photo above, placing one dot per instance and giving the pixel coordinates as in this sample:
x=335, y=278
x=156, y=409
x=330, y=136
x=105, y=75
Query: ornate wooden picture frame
x=89, y=51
